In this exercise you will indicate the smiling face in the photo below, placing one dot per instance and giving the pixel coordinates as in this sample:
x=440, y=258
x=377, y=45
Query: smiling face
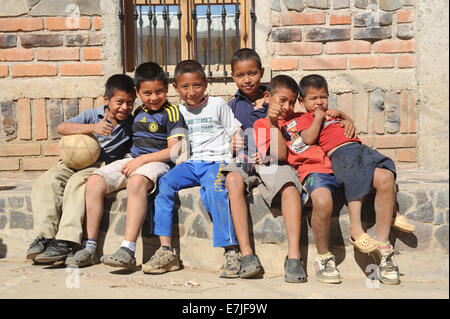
x=191, y=86
x=153, y=94
x=247, y=76
x=285, y=98
x=315, y=99
x=120, y=104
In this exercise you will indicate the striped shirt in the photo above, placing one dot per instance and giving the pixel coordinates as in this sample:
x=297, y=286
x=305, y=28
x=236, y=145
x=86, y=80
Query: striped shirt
x=152, y=129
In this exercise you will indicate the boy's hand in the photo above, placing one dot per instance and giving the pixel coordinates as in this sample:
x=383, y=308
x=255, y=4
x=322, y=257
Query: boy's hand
x=103, y=127
x=333, y=113
x=273, y=112
x=238, y=140
x=131, y=166
x=350, y=129
x=319, y=114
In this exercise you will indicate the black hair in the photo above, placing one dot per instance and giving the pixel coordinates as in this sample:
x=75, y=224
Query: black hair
x=283, y=81
x=149, y=71
x=315, y=81
x=244, y=55
x=120, y=82
x=189, y=66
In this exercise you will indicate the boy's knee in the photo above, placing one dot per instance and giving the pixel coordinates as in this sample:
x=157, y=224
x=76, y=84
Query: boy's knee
x=234, y=182
x=96, y=183
x=139, y=183
x=289, y=189
x=384, y=179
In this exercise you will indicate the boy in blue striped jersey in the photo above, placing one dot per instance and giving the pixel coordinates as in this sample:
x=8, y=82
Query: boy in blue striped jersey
x=158, y=126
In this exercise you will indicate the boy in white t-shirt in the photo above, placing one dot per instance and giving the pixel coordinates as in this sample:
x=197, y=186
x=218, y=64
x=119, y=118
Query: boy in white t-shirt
x=211, y=126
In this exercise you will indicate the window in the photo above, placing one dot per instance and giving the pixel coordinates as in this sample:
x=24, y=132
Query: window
x=168, y=31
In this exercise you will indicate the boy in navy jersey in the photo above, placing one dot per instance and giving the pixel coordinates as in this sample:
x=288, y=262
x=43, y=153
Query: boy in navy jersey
x=157, y=127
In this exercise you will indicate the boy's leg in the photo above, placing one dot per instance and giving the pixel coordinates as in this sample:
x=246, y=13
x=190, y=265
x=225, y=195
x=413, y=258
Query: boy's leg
x=291, y=209
x=384, y=184
x=235, y=186
x=165, y=258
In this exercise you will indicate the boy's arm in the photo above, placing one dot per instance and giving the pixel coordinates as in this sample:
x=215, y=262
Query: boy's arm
x=278, y=147
x=101, y=128
x=347, y=122
x=164, y=155
x=311, y=134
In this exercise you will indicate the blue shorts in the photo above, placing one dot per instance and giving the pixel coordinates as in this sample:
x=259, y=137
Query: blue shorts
x=316, y=180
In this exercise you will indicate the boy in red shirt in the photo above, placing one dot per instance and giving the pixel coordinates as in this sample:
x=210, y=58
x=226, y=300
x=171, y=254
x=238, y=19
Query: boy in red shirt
x=313, y=167
x=357, y=167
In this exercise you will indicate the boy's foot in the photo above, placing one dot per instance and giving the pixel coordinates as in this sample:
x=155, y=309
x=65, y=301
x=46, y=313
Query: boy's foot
x=81, y=258
x=57, y=250
x=250, y=266
x=401, y=223
x=387, y=271
x=232, y=264
x=326, y=270
x=121, y=258
x=294, y=270
x=164, y=260
x=364, y=243
x=37, y=247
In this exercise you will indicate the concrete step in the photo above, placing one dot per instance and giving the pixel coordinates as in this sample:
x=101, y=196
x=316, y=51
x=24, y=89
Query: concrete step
x=422, y=197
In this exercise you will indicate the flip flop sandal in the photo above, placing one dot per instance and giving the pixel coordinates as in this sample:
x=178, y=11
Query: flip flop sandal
x=401, y=223
x=250, y=266
x=121, y=258
x=365, y=243
x=294, y=270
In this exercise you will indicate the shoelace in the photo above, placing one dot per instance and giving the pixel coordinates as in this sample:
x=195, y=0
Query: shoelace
x=325, y=262
x=389, y=262
x=37, y=240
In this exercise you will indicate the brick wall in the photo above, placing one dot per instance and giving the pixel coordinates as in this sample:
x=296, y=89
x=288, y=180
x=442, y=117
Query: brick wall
x=355, y=39
x=41, y=41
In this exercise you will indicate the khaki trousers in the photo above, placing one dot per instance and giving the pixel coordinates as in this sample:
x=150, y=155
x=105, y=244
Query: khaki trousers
x=58, y=201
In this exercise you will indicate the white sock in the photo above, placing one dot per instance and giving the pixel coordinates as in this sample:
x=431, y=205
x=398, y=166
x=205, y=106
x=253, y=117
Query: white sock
x=128, y=244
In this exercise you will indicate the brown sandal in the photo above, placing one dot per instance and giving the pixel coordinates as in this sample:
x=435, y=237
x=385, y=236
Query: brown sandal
x=365, y=243
x=401, y=223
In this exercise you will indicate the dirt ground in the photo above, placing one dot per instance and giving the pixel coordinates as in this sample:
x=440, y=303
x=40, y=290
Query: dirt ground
x=22, y=279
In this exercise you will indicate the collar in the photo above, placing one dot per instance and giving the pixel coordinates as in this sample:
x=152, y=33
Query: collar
x=144, y=108
x=203, y=102
x=241, y=95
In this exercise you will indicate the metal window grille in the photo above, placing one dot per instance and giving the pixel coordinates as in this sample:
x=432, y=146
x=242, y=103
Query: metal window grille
x=168, y=31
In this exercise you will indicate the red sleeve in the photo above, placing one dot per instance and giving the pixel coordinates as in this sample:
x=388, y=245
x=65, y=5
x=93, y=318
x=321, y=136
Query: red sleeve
x=261, y=129
x=305, y=121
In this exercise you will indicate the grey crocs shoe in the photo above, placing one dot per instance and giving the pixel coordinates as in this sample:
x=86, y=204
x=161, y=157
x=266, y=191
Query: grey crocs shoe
x=81, y=258
x=250, y=266
x=121, y=258
x=294, y=270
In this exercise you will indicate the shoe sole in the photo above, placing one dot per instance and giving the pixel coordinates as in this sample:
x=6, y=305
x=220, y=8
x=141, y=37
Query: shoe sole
x=329, y=280
x=45, y=260
x=295, y=281
x=119, y=265
x=251, y=274
x=32, y=256
x=228, y=276
x=405, y=230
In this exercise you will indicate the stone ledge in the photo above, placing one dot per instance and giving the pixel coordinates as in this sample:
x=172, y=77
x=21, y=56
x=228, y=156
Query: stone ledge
x=422, y=197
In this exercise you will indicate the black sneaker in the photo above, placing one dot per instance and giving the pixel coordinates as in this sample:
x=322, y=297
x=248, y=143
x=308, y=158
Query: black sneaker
x=37, y=247
x=57, y=250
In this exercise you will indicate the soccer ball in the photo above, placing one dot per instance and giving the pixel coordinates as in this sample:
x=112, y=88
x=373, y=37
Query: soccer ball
x=79, y=151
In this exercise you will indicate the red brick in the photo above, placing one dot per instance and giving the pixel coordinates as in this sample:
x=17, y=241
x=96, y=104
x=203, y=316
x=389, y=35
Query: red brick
x=394, y=46
x=9, y=164
x=69, y=23
x=366, y=140
x=348, y=47
x=297, y=48
x=86, y=104
x=3, y=71
x=345, y=104
x=25, y=70
x=39, y=164
x=408, y=155
x=401, y=166
x=405, y=16
x=395, y=141
x=40, y=119
x=51, y=149
x=284, y=64
x=97, y=23
x=92, y=54
x=16, y=55
x=391, y=153
x=324, y=63
x=275, y=19
x=20, y=149
x=378, y=122
x=406, y=61
x=361, y=112
x=24, y=119
x=370, y=62
x=404, y=113
x=341, y=18
x=20, y=24
x=58, y=54
x=79, y=69
x=300, y=18
x=412, y=111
